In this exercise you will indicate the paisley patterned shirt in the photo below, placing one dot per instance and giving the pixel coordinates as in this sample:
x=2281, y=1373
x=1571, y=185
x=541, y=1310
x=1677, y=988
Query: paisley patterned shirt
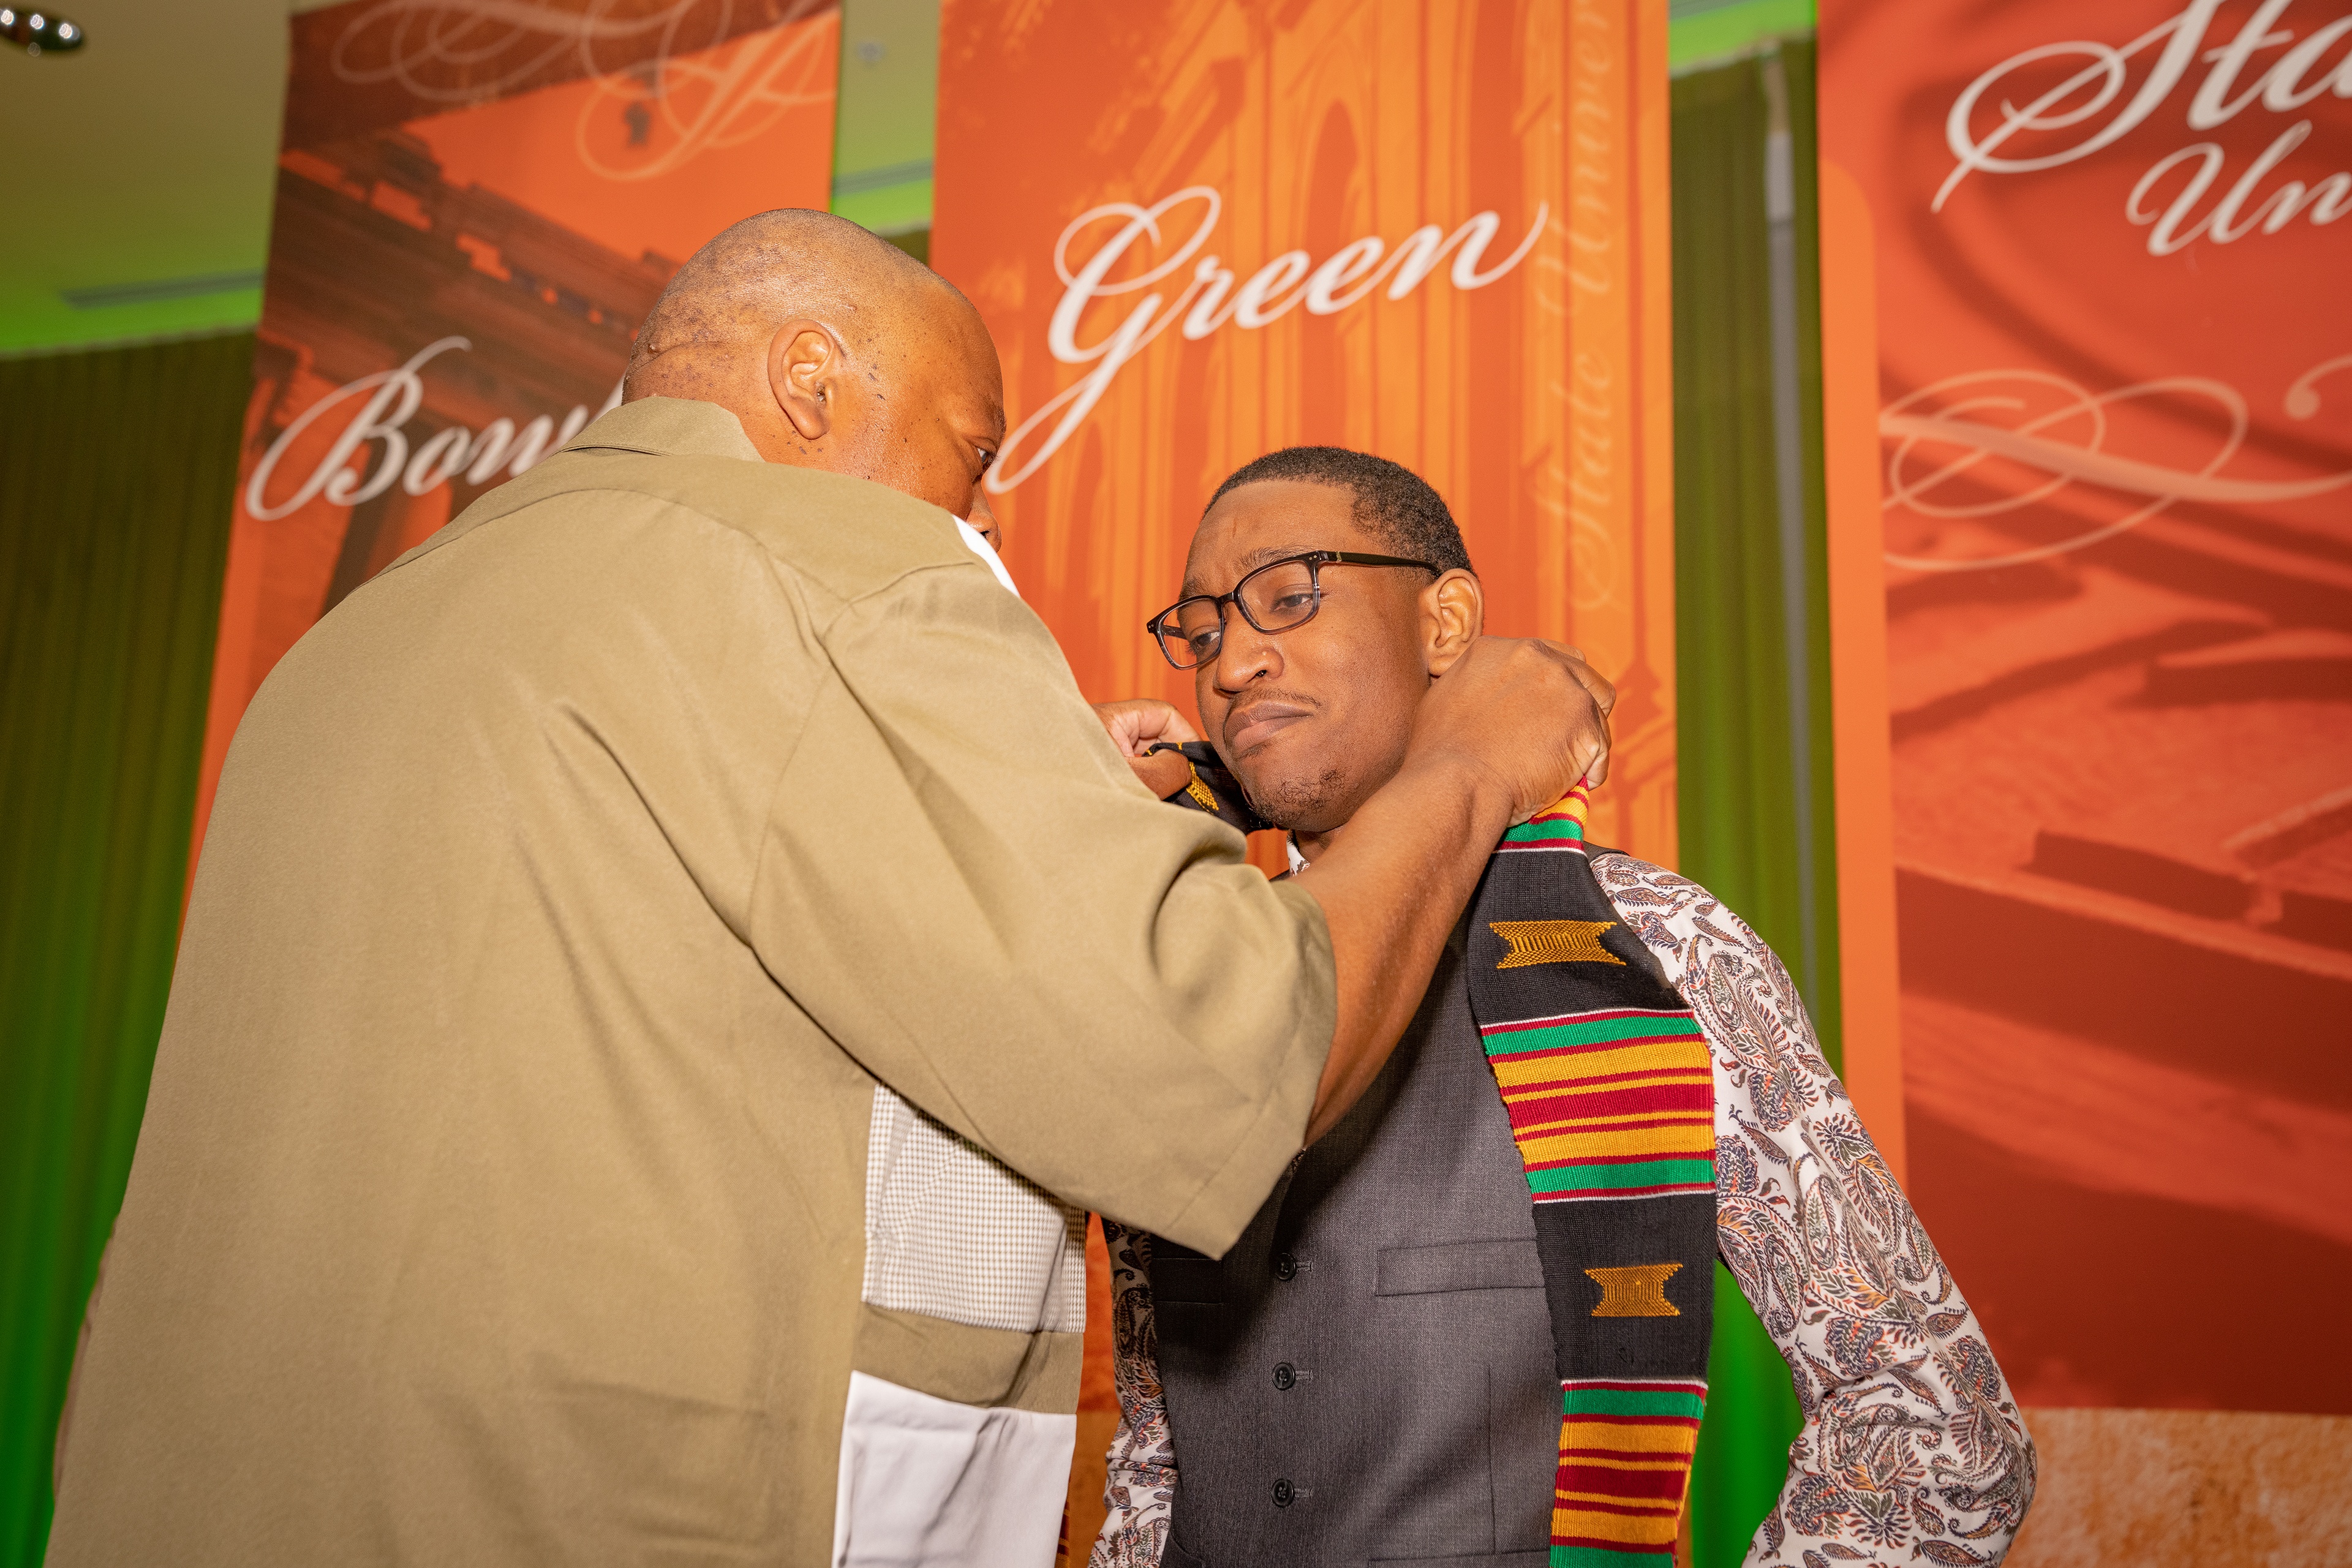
x=1912, y=1448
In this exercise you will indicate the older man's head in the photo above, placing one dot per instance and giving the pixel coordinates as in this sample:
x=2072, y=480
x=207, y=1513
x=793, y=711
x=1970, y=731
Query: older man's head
x=836, y=351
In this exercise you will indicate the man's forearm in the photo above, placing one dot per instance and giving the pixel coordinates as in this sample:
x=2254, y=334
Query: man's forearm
x=1390, y=888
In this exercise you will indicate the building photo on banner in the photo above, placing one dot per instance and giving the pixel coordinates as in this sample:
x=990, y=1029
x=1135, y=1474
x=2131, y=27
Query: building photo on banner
x=1935, y=418
x=474, y=212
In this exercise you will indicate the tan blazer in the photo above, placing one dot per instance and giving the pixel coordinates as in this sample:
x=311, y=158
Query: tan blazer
x=502, y=1192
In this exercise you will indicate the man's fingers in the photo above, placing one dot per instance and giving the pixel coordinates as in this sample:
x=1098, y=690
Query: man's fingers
x=1604, y=692
x=1137, y=723
x=1604, y=697
x=1501, y=703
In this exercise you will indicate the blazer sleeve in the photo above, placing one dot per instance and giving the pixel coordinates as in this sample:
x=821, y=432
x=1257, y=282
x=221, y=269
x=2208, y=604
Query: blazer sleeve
x=964, y=884
x=1911, y=1446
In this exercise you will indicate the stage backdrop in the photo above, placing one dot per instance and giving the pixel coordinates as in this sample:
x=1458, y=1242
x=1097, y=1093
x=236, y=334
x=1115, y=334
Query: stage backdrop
x=2113, y=496
x=477, y=204
x=1203, y=229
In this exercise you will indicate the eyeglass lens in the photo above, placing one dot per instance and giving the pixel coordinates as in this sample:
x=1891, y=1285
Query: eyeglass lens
x=1273, y=599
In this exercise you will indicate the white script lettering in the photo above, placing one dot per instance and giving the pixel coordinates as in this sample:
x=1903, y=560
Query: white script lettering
x=1210, y=299
x=396, y=397
x=2077, y=110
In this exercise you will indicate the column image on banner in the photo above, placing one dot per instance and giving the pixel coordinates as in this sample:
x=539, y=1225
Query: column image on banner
x=1198, y=236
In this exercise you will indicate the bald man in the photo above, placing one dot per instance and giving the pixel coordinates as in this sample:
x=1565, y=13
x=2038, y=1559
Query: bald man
x=673, y=956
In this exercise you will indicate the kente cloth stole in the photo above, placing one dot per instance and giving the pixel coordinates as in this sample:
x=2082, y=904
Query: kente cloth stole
x=1611, y=1093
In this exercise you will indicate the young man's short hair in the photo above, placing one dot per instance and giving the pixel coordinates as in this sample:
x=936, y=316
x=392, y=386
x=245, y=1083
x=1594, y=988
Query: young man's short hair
x=1391, y=500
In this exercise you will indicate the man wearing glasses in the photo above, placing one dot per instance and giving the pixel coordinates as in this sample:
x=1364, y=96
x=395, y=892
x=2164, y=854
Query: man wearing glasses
x=1471, y=1322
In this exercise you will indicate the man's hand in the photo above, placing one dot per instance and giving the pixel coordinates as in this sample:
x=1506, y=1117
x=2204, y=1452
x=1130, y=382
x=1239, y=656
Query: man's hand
x=1139, y=723
x=1529, y=711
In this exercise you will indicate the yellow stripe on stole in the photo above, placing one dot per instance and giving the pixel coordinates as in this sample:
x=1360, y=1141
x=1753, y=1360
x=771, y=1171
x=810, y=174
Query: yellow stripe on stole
x=1636, y=1528
x=1650, y=1438
x=1570, y=1086
x=1619, y=1502
x=1649, y=1055
x=1693, y=1139
x=1575, y=803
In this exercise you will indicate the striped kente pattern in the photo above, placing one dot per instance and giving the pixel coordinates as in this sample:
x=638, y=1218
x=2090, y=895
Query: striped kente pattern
x=1614, y=1103
x=1626, y=1449
x=1559, y=826
x=1609, y=1087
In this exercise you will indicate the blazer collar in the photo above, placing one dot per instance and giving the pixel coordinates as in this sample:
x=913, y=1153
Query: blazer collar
x=668, y=427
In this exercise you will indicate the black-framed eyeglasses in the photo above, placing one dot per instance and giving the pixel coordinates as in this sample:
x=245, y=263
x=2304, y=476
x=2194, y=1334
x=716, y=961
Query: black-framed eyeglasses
x=1276, y=597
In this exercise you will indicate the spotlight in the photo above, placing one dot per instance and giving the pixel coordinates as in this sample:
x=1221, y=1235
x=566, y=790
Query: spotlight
x=39, y=32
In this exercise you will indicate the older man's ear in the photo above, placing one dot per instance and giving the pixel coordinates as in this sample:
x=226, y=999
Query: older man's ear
x=1454, y=614
x=803, y=360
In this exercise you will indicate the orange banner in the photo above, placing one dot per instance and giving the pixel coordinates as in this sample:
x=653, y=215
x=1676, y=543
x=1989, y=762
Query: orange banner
x=2112, y=521
x=1200, y=230
x=477, y=204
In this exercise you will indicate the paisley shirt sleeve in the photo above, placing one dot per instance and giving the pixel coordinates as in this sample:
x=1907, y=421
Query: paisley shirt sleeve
x=1911, y=1446
x=1139, y=1486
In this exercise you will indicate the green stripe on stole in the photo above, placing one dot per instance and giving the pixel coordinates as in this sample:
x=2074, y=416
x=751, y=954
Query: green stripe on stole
x=1556, y=831
x=1588, y=1032
x=1641, y=1173
x=1632, y=1402
x=1595, y=1557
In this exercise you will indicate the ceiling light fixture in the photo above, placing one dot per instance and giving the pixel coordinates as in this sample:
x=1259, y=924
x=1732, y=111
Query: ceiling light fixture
x=39, y=32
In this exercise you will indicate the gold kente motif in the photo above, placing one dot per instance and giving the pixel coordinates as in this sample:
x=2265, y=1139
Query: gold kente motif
x=1639, y=1291
x=1553, y=941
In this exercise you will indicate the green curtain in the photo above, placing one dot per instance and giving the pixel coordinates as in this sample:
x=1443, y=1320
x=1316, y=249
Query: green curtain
x=1751, y=635
x=115, y=489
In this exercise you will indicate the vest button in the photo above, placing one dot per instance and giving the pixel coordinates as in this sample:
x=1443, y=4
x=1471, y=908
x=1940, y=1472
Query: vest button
x=1286, y=1267
x=1285, y=1378
x=1283, y=1493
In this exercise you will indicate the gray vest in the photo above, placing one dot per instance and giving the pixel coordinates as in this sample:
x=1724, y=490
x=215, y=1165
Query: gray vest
x=1367, y=1376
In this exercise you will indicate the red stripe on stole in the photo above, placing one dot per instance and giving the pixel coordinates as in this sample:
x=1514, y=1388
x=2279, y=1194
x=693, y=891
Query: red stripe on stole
x=1539, y=1119
x=1638, y=1385
x=1695, y=1092
x=1603, y=1015
x=1632, y=1486
x=1617, y=1194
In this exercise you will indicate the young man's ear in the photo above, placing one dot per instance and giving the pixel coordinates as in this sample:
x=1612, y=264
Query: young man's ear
x=1454, y=613
x=803, y=364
